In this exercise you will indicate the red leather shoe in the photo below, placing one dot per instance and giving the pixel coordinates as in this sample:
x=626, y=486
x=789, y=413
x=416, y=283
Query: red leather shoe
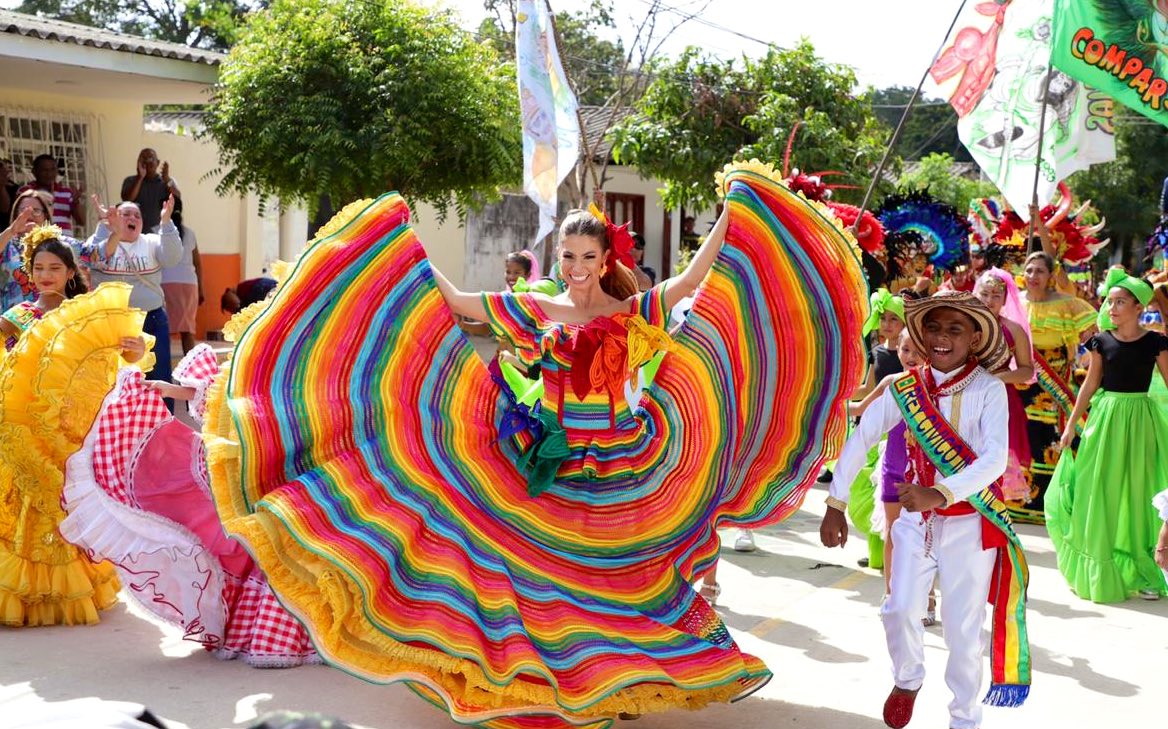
x=898, y=707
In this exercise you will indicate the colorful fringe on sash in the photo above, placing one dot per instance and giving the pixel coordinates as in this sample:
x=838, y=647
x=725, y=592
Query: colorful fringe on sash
x=362, y=463
x=1058, y=389
x=949, y=453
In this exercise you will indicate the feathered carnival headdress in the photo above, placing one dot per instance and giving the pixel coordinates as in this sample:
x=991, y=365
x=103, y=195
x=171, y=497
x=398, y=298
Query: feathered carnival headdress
x=985, y=214
x=1075, y=242
x=944, y=232
x=34, y=238
x=904, y=247
x=620, y=241
x=869, y=233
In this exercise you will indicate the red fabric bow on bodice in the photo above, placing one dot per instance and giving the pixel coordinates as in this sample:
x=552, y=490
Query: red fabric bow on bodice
x=609, y=349
x=600, y=356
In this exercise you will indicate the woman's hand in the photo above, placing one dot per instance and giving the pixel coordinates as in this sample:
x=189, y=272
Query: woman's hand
x=103, y=212
x=22, y=225
x=133, y=348
x=1036, y=217
x=167, y=210
x=1068, y=437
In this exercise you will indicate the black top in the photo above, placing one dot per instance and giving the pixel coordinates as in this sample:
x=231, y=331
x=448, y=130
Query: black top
x=887, y=362
x=1128, y=366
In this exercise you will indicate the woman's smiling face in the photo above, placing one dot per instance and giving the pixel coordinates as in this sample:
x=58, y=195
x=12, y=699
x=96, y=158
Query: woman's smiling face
x=582, y=260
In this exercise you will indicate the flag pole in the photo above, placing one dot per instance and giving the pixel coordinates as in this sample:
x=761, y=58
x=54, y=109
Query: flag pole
x=903, y=118
x=585, y=159
x=1038, y=158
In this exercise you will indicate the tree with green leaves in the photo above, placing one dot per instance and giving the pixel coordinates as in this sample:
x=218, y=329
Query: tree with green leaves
x=700, y=112
x=1127, y=190
x=210, y=24
x=936, y=176
x=931, y=128
x=348, y=100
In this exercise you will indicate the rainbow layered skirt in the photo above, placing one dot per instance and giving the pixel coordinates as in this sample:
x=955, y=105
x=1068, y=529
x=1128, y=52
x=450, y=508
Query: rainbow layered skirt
x=355, y=446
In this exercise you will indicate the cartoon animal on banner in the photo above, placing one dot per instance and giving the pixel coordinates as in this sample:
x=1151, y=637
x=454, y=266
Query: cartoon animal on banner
x=996, y=74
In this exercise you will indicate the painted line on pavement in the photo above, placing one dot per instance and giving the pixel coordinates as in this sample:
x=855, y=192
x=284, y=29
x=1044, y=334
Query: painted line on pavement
x=762, y=628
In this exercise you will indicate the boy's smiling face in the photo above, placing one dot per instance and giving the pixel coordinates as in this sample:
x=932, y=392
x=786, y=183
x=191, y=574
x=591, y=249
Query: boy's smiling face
x=949, y=337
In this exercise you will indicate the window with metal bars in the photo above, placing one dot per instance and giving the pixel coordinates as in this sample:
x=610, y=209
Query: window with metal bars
x=28, y=133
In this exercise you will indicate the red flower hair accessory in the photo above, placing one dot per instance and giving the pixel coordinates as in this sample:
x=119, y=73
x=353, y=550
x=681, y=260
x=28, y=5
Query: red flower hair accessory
x=620, y=241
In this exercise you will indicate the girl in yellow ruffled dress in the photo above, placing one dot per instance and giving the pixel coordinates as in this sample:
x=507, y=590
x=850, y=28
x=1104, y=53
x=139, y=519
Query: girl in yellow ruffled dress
x=62, y=354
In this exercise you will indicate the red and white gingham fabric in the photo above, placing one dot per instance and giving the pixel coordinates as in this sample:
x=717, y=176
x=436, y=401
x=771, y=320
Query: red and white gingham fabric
x=198, y=370
x=259, y=629
x=133, y=413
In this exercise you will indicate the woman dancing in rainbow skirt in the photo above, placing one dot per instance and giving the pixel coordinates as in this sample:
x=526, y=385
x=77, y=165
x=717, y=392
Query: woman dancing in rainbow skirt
x=531, y=566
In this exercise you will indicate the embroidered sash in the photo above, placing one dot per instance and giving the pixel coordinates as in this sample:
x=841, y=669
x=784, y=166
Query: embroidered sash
x=949, y=454
x=1058, y=389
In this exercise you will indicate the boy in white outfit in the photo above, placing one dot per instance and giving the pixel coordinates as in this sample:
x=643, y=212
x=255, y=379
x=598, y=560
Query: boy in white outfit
x=955, y=527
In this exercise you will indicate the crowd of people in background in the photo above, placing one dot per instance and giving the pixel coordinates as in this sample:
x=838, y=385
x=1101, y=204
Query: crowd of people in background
x=1076, y=369
x=141, y=240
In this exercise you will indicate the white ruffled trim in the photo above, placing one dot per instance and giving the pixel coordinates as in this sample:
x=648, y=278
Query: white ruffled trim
x=163, y=565
x=183, y=375
x=1160, y=501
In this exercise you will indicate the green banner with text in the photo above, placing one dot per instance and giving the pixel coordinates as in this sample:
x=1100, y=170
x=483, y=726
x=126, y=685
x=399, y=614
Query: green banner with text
x=1120, y=47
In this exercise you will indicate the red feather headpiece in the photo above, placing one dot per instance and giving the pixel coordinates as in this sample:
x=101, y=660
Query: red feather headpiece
x=620, y=241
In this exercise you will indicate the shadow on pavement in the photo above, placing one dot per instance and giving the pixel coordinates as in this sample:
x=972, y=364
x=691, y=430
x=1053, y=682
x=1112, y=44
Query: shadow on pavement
x=756, y=713
x=1049, y=662
x=1061, y=610
x=814, y=644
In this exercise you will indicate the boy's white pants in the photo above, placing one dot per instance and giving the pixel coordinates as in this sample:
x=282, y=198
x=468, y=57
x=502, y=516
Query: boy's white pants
x=964, y=570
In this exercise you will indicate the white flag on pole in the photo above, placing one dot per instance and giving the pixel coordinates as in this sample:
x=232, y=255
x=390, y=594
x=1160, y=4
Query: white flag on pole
x=551, y=129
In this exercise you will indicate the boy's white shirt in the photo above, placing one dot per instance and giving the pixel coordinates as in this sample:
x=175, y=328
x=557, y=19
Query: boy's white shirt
x=984, y=426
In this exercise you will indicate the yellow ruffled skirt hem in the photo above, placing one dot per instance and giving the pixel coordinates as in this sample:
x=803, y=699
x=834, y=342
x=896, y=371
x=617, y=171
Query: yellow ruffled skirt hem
x=328, y=602
x=34, y=593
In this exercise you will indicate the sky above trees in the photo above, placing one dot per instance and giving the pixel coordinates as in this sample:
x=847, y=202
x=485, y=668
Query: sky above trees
x=888, y=44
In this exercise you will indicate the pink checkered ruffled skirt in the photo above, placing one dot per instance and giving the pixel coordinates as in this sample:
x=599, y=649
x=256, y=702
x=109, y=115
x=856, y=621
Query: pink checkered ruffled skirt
x=136, y=494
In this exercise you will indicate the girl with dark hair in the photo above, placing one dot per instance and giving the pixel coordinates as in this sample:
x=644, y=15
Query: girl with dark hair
x=72, y=342
x=519, y=265
x=1099, y=506
x=50, y=265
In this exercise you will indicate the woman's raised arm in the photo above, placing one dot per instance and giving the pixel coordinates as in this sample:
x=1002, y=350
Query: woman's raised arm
x=686, y=283
x=460, y=302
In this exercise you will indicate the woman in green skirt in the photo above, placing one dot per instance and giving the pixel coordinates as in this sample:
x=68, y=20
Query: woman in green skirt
x=1099, y=505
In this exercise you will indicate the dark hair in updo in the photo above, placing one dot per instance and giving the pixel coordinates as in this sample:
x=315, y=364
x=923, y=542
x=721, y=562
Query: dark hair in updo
x=618, y=281
x=75, y=286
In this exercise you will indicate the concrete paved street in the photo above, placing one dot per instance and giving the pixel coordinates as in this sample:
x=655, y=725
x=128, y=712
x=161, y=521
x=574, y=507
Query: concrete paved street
x=809, y=612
